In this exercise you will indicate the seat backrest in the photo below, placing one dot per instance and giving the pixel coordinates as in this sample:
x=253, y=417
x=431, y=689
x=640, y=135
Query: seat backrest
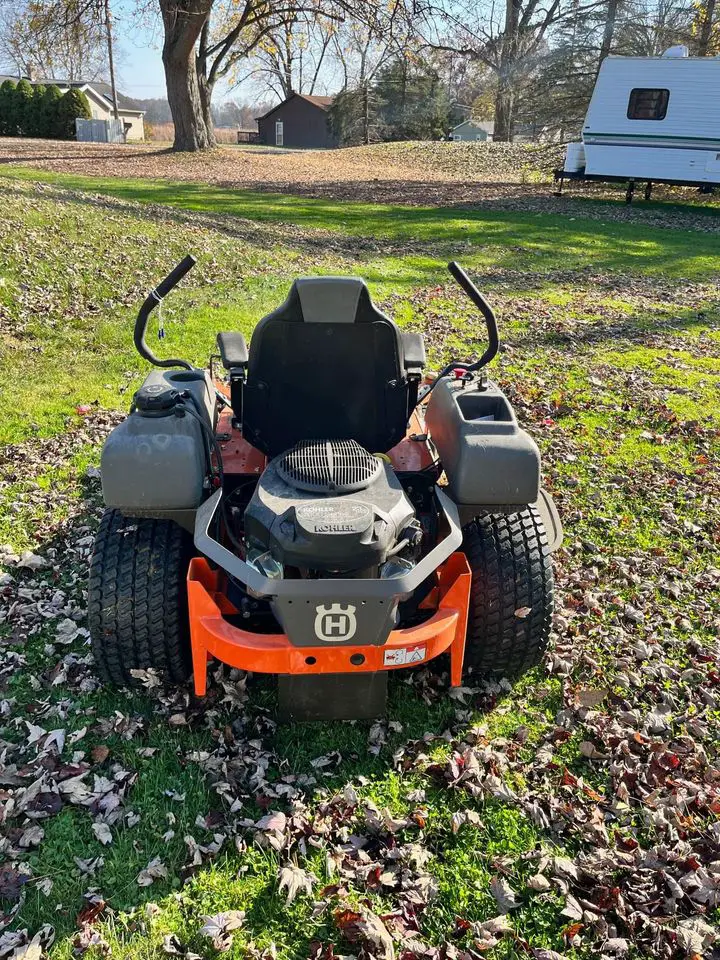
x=327, y=364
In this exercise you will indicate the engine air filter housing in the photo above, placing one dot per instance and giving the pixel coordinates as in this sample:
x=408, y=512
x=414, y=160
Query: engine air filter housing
x=329, y=466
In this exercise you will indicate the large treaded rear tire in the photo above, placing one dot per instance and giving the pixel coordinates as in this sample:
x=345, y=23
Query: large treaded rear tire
x=137, y=598
x=511, y=572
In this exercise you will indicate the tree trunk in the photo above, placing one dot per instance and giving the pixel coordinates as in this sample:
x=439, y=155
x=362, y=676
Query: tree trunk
x=183, y=21
x=609, y=30
x=503, y=128
x=111, y=58
x=708, y=11
x=205, y=87
x=505, y=96
x=288, y=57
x=366, y=114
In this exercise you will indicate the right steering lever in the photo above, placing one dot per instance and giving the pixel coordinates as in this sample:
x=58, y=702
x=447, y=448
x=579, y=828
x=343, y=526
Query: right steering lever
x=490, y=322
x=485, y=309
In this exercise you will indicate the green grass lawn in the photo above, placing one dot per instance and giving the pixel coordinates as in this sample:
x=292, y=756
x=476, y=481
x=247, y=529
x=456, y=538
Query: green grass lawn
x=538, y=241
x=610, y=352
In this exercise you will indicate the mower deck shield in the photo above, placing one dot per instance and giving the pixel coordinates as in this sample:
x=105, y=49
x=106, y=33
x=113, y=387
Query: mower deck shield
x=212, y=635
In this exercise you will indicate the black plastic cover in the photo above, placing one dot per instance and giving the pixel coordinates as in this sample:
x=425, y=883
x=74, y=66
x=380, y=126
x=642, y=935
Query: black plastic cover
x=233, y=350
x=346, y=533
x=156, y=398
x=328, y=363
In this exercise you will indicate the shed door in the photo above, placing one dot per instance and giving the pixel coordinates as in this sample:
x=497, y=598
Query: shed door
x=278, y=133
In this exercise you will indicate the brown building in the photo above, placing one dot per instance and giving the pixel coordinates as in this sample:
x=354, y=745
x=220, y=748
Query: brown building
x=299, y=121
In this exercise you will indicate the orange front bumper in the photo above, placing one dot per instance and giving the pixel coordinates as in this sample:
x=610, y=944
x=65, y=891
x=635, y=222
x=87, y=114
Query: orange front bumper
x=212, y=635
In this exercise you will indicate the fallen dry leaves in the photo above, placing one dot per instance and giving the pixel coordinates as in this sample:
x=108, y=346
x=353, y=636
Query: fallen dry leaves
x=494, y=175
x=635, y=665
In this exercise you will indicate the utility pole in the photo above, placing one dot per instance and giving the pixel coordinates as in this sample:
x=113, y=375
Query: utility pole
x=111, y=60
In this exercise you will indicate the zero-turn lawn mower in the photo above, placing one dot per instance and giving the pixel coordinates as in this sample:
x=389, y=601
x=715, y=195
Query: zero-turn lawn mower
x=322, y=511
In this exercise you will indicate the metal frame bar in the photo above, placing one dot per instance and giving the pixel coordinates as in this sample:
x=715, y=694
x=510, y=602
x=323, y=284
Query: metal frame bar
x=396, y=587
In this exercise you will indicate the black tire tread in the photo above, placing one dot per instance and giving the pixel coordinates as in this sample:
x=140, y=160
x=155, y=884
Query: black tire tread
x=137, y=598
x=511, y=569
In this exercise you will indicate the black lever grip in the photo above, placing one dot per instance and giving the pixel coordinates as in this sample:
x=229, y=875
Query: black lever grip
x=490, y=322
x=175, y=276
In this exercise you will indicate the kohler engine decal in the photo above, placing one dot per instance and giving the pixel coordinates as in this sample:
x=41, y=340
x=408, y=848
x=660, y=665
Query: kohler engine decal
x=334, y=516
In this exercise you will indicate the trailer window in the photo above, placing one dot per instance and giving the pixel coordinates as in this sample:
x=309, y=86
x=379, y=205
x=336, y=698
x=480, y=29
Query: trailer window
x=647, y=104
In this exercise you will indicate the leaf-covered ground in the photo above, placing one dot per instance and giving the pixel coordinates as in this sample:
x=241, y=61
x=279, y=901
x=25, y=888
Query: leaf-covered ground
x=249, y=166
x=512, y=176
x=576, y=814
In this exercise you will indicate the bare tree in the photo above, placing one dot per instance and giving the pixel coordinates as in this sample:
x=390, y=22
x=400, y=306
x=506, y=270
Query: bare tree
x=706, y=29
x=360, y=49
x=507, y=40
x=234, y=32
x=608, y=30
x=289, y=60
x=648, y=27
x=46, y=41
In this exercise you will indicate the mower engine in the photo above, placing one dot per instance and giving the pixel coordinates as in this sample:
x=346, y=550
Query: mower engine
x=329, y=508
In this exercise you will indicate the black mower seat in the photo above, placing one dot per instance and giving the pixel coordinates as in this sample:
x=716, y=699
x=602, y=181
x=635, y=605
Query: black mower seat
x=328, y=364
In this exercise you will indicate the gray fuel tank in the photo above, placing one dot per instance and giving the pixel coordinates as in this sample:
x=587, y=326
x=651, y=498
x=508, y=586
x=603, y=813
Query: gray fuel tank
x=488, y=459
x=155, y=462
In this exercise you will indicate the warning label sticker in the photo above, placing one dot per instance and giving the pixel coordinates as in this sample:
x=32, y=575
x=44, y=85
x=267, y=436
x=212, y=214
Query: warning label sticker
x=401, y=656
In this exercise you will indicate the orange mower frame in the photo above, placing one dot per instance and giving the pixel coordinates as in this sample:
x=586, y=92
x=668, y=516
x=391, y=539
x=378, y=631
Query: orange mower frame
x=211, y=635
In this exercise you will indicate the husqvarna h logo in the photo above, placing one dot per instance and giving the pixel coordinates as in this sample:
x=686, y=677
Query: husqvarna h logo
x=336, y=623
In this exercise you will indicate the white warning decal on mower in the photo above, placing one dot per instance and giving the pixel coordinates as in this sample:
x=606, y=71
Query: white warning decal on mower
x=336, y=623
x=401, y=656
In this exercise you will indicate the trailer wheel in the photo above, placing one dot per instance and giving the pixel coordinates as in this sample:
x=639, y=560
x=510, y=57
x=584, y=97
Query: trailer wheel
x=137, y=598
x=511, y=597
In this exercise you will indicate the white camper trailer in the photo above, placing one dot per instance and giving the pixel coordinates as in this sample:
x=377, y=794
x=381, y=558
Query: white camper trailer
x=651, y=119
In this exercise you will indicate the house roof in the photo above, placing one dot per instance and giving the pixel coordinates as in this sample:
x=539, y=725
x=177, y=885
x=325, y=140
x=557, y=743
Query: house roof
x=98, y=87
x=124, y=103
x=322, y=102
x=487, y=125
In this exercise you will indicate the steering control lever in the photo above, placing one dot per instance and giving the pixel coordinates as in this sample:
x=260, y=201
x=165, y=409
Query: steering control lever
x=154, y=299
x=485, y=309
x=490, y=322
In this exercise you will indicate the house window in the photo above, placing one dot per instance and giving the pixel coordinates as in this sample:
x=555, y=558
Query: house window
x=278, y=133
x=647, y=104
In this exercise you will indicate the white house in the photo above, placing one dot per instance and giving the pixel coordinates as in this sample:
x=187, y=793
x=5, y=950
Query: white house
x=473, y=130
x=652, y=119
x=102, y=108
x=101, y=103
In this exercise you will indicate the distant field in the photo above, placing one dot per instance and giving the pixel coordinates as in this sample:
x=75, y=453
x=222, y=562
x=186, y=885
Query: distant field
x=499, y=176
x=420, y=173
x=417, y=160
x=165, y=133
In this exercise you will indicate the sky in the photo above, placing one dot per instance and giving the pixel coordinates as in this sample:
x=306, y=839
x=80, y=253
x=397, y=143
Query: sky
x=140, y=69
x=139, y=66
x=138, y=48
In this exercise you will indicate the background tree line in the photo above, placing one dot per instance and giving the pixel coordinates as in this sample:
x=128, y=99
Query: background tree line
x=404, y=68
x=28, y=110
